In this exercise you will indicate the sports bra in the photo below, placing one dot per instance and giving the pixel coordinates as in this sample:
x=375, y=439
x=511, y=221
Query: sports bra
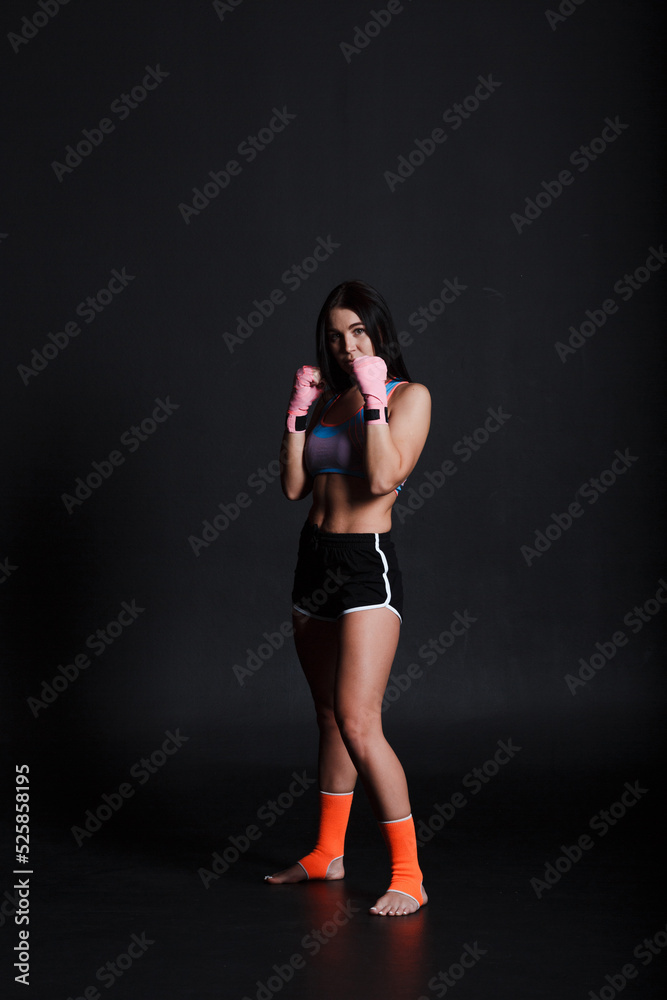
x=340, y=447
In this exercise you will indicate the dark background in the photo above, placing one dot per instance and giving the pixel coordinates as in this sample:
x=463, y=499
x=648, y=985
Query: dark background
x=323, y=178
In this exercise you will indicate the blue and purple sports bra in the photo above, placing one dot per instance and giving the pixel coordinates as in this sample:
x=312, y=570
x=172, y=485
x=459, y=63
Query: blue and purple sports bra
x=340, y=447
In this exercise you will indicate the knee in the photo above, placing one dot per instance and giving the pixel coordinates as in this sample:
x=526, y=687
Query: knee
x=326, y=718
x=359, y=728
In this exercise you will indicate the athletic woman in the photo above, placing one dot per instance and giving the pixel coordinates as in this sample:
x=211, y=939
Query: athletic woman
x=366, y=433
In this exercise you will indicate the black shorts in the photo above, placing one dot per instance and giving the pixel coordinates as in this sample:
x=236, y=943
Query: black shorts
x=338, y=573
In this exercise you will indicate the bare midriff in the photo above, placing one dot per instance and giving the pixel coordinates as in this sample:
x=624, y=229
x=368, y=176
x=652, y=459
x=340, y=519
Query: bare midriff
x=345, y=504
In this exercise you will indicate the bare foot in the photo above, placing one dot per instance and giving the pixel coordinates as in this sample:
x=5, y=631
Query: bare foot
x=297, y=874
x=397, y=904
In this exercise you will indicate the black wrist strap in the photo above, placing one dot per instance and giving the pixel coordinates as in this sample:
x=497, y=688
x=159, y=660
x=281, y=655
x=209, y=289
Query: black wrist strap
x=371, y=415
x=300, y=423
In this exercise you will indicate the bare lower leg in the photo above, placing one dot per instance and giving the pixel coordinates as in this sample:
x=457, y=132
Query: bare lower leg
x=335, y=770
x=381, y=773
x=317, y=646
x=368, y=644
x=337, y=775
x=384, y=780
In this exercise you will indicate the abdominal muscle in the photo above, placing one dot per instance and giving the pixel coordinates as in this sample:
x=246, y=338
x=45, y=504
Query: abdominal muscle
x=344, y=504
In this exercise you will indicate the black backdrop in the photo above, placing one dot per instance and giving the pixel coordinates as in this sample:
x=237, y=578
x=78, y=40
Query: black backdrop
x=492, y=168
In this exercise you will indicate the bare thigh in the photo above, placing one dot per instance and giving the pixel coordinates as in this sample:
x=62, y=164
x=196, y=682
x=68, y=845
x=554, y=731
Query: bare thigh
x=367, y=646
x=317, y=648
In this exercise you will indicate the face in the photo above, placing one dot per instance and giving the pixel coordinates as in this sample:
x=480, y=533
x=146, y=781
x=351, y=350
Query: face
x=347, y=338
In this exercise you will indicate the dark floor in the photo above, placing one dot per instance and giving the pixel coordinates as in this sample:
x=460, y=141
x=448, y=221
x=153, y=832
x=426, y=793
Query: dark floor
x=147, y=877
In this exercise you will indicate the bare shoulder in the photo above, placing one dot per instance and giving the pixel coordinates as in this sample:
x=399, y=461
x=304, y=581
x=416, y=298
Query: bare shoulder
x=410, y=421
x=410, y=396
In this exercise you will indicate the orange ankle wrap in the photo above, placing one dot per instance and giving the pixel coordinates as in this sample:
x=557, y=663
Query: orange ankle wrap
x=401, y=841
x=334, y=814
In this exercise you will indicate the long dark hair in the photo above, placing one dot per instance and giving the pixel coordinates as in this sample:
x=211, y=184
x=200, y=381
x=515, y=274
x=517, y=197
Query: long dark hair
x=374, y=313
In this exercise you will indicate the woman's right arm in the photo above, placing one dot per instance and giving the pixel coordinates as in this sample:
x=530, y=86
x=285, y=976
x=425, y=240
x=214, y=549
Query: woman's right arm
x=295, y=480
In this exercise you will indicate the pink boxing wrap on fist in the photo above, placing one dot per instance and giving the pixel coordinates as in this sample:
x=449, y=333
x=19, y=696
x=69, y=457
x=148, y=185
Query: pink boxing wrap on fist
x=304, y=394
x=371, y=375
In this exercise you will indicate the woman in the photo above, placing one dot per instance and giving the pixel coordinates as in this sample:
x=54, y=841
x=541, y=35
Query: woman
x=366, y=434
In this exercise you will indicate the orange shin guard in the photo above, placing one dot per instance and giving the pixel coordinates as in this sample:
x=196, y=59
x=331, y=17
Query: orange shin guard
x=334, y=814
x=401, y=841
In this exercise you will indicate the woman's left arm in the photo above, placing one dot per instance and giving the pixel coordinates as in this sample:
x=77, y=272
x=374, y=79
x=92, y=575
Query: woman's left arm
x=392, y=449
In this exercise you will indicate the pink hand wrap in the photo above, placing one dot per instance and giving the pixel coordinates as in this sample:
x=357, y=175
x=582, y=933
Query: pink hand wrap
x=304, y=394
x=371, y=374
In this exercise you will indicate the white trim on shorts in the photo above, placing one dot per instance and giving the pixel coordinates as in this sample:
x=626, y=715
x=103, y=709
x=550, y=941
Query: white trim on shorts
x=385, y=603
x=370, y=607
x=365, y=607
x=362, y=607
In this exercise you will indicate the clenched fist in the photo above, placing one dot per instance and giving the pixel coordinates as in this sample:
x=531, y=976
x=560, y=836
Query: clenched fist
x=308, y=385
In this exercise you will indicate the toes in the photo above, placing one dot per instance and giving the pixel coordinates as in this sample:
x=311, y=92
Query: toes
x=393, y=905
x=399, y=908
